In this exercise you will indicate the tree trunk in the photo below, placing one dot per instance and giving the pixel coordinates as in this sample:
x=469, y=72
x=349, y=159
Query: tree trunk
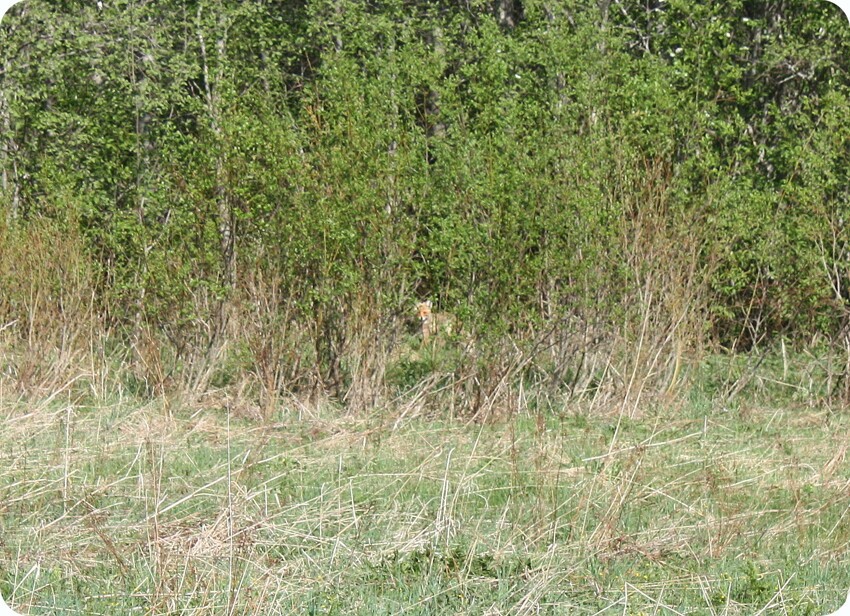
x=224, y=206
x=9, y=181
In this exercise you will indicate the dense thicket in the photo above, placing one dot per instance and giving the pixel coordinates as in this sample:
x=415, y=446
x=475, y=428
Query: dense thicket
x=208, y=189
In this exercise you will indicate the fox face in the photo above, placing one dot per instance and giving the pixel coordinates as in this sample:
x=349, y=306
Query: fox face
x=423, y=311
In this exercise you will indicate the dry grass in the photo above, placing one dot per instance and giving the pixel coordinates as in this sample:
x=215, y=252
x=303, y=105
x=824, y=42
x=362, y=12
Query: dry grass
x=163, y=508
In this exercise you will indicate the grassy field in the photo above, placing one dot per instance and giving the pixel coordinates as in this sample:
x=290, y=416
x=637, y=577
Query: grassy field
x=703, y=505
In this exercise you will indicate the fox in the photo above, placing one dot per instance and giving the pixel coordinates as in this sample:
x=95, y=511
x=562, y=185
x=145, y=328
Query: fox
x=435, y=323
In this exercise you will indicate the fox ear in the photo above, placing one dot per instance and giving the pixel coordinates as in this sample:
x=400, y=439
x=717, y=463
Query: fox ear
x=428, y=303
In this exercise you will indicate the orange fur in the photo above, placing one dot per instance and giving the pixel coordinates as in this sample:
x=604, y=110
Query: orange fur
x=432, y=323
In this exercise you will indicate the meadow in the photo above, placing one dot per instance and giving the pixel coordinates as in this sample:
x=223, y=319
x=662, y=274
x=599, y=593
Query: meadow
x=217, y=217
x=718, y=501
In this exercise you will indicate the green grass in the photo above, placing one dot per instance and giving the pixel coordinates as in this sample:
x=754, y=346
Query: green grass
x=698, y=507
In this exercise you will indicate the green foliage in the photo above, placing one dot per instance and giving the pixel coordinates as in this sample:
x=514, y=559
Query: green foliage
x=559, y=161
x=753, y=586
